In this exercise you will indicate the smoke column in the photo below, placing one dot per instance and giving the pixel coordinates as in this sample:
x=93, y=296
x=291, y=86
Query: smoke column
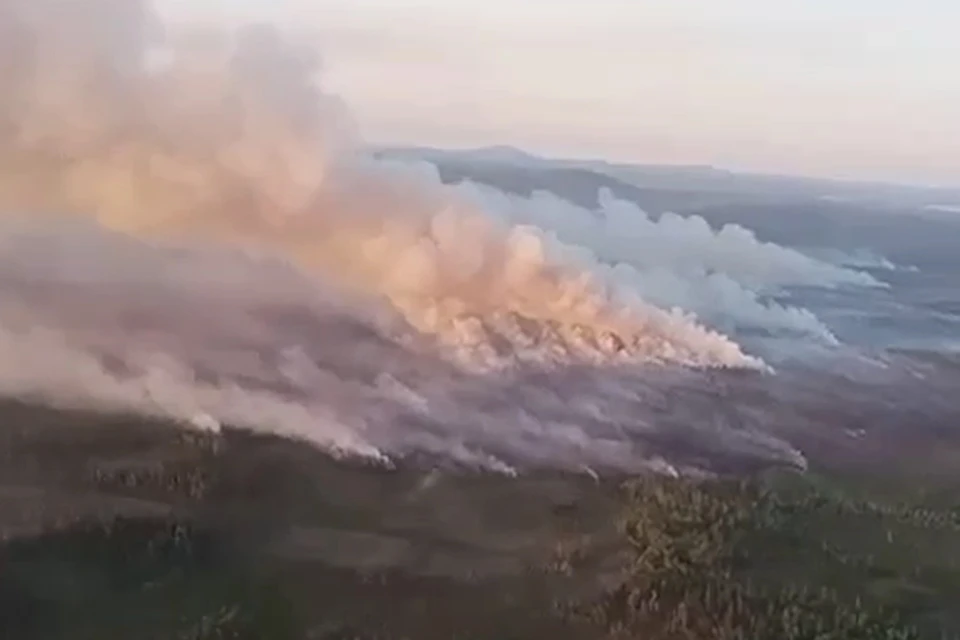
x=726, y=276
x=225, y=138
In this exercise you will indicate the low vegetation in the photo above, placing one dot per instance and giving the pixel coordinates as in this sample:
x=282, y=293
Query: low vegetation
x=778, y=557
x=736, y=560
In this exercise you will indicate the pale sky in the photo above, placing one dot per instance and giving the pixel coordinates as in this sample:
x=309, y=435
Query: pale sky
x=843, y=88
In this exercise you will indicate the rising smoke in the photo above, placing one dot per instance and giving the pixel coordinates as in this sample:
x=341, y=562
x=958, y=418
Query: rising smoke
x=185, y=211
x=226, y=138
x=726, y=276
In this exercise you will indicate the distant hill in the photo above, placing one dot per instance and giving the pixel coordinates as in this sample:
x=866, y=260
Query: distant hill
x=497, y=155
x=781, y=209
x=661, y=187
x=655, y=188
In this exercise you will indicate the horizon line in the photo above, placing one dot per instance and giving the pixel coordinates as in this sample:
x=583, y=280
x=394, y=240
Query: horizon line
x=742, y=171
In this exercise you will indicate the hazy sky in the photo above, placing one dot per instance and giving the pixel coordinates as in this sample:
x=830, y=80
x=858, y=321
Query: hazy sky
x=853, y=88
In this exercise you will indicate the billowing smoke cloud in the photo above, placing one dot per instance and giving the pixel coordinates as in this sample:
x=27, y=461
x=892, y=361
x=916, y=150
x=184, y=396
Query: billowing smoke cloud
x=727, y=276
x=226, y=138
x=185, y=211
x=117, y=323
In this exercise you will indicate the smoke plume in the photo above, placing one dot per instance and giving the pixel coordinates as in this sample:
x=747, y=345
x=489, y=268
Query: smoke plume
x=226, y=138
x=726, y=276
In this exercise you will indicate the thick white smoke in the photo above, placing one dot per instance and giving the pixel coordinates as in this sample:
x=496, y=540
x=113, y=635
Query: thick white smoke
x=727, y=276
x=226, y=138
